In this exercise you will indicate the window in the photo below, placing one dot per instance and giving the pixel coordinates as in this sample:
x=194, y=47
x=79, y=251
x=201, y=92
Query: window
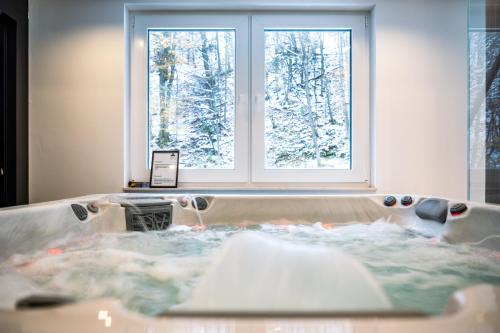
x=189, y=90
x=267, y=98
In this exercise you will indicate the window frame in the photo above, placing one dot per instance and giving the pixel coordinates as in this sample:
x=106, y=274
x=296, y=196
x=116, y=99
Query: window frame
x=249, y=169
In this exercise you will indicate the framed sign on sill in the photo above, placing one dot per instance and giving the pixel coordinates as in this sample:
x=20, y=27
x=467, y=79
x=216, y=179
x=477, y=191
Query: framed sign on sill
x=164, y=169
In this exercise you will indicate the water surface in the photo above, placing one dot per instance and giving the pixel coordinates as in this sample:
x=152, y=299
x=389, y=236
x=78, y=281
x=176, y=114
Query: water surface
x=156, y=271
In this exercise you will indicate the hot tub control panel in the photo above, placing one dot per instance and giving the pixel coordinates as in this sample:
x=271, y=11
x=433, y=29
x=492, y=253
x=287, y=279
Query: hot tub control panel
x=389, y=200
x=407, y=200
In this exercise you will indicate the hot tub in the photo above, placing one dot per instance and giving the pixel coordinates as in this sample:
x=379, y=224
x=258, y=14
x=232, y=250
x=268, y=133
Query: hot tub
x=38, y=241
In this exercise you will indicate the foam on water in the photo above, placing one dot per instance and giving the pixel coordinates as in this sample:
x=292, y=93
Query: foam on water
x=156, y=271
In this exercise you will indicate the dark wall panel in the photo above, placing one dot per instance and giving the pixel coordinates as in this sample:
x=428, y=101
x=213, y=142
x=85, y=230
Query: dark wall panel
x=18, y=10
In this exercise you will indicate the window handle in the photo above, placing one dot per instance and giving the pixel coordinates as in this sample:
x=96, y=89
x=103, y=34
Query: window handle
x=242, y=100
x=258, y=98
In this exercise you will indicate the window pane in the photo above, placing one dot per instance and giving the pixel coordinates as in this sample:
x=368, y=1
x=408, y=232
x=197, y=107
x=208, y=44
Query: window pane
x=307, y=99
x=191, y=96
x=484, y=101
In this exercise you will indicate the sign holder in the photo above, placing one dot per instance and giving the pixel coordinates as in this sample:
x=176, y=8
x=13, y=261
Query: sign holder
x=164, y=169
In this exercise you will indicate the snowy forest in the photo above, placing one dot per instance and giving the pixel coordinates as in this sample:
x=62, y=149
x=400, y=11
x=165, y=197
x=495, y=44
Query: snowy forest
x=307, y=91
x=307, y=97
x=485, y=99
x=191, y=96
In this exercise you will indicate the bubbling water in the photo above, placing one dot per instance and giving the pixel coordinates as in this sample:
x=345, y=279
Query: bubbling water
x=157, y=271
x=257, y=273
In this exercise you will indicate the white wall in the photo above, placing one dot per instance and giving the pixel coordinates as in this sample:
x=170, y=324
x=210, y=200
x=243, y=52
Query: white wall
x=77, y=97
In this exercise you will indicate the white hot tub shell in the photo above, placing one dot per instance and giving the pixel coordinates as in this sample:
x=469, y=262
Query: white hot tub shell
x=475, y=309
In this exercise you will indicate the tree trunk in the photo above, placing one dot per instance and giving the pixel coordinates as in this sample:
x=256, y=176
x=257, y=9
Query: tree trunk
x=310, y=117
x=222, y=102
x=325, y=83
x=208, y=87
x=345, y=103
x=228, y=70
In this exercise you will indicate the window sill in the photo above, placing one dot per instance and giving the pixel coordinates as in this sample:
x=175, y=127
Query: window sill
x=257, y=190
